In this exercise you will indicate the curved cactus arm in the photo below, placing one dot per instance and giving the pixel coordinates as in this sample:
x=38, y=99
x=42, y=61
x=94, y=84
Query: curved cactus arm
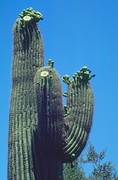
x=78, y=121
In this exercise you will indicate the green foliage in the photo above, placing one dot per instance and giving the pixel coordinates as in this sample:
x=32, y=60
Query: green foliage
x=101, y=170
x=72, y=171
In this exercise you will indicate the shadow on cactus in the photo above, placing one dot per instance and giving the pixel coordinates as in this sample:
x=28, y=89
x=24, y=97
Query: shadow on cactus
x=44, y=133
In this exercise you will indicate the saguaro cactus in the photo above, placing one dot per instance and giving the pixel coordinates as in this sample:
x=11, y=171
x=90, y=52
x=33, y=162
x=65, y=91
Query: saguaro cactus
x=43, y=134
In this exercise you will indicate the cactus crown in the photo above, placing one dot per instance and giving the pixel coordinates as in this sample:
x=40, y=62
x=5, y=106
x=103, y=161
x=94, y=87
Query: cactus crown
x=84, y=74
x=29, y=15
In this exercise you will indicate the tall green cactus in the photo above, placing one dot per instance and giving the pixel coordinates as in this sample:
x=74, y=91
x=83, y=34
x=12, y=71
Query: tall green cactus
x=42, y=133
x=27, y=58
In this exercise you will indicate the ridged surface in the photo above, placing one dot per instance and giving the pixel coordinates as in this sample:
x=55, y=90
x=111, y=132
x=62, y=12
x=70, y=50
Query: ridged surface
x=79, y=120
x=41, y=135
x=50, y=115
x=27, y=58
x=50, y=109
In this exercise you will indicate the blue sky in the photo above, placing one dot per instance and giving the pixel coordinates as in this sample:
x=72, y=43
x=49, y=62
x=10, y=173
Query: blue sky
x=75, y=33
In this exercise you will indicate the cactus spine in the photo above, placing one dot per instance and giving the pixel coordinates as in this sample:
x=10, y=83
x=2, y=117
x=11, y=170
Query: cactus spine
x=42, y=133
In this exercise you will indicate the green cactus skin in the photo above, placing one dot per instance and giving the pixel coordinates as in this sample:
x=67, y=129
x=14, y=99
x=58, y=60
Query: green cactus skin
x=42, y=133
x=50, y=109
x=27, y=58
x=50, y=116
x=78, y=120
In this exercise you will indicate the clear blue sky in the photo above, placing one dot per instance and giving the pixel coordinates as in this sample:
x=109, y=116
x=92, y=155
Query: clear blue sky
x=75, y=33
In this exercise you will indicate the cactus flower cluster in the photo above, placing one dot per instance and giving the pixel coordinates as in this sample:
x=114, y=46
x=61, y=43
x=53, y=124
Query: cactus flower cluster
x=44, y=133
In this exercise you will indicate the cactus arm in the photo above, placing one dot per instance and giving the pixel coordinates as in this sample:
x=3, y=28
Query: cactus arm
x=78, y=121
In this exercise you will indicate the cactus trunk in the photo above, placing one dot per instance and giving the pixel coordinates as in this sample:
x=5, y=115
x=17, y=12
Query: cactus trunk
x=27, y=58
